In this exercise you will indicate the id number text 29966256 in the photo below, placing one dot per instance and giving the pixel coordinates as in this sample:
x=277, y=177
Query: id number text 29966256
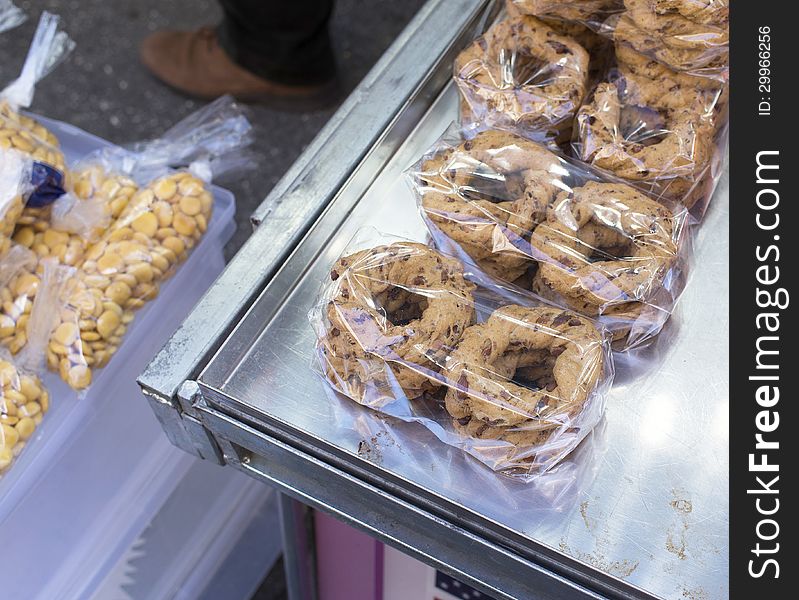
x=764, y=70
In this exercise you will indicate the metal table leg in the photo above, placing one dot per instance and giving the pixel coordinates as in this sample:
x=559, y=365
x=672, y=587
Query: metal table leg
x=299, y=550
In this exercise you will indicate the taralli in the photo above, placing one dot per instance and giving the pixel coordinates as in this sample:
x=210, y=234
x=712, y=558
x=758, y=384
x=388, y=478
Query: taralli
x=644, y=143
x=705, y=53
x=648, y=83
x=23, y=403
x=124, y=269
x=487, y=194
x=393, y=314
x=558, y=349
x=524, y=377
x=577, y=20
x=707, y=12
x=522, y=74
x=605, y=250
x=683, y=23
x=578, y=11
x=517, y=449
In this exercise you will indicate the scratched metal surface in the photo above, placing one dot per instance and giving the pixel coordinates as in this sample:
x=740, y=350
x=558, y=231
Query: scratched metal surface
x=645, y=500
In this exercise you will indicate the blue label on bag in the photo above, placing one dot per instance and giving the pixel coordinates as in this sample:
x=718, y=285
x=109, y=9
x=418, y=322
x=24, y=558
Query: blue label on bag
x=48, y=185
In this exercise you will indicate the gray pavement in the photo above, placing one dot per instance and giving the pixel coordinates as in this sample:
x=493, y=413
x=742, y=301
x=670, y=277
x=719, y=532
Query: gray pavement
x=102, y=87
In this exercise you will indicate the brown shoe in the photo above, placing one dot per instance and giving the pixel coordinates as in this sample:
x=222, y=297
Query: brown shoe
x=194, y=63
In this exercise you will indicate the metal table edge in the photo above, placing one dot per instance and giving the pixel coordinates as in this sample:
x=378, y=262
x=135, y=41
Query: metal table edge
x=221, y=414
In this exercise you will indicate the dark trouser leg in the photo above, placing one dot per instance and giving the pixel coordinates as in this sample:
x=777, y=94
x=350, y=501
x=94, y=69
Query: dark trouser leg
x=286, y=41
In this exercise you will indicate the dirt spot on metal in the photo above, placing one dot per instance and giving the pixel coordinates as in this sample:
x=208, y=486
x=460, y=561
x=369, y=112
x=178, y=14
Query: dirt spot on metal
x=617, y=568
x=590, y=525
x=675, y=541
x=682, y=505
x=677, y=533
x=370, y=450
x=694, y=594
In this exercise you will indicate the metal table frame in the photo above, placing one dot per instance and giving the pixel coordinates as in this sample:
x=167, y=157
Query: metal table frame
x=325, y=184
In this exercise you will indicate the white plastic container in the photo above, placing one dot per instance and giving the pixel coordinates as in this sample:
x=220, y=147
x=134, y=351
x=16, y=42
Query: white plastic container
x=100, y=466
x=221, y=547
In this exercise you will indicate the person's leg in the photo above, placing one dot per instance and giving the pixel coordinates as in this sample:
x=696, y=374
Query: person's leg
x=272, y=51
x=286, y=41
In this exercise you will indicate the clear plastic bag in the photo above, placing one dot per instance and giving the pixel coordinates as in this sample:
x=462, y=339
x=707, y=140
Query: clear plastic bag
x=18, y=285
x=10, y=15
x=79, y=217
x=665, y=131
x=98, y=196
x=690, y=36
x=580, y=21
x=23, y=403
x=25, y=134
x=402, y=329
x=48, y=48
x=592, y=13
x=523, y=74
x=524, y=215
x=15, y=177
x=163, y=221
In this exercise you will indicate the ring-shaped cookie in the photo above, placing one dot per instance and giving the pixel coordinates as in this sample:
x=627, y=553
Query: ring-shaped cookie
x=559, y=353
x=578, y=11
x=488, y=192
x=706, y=27
x=650, y=83
x=679, y=145
x=403, y=305
x=522, y=74
x=699, y=58
x=606, y=248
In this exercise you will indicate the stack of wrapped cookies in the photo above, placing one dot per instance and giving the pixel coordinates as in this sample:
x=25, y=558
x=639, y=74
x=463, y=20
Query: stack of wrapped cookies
x=560, y=210
x=516, y=383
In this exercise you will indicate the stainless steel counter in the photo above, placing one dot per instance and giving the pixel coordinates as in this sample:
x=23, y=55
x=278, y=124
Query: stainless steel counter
x=640, y=510
x=651, y=511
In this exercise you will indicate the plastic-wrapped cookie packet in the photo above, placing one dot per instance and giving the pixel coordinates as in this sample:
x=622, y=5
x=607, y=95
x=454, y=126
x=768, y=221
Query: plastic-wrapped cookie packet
x=662, y=130
x=591, y=13
x=579, y=20
x=402, y=330
x=24, y=400
x=690, y=36
x=26, y=135
x=522, y=214
x=522, y=74
x=163, y=221
x=10, y=15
